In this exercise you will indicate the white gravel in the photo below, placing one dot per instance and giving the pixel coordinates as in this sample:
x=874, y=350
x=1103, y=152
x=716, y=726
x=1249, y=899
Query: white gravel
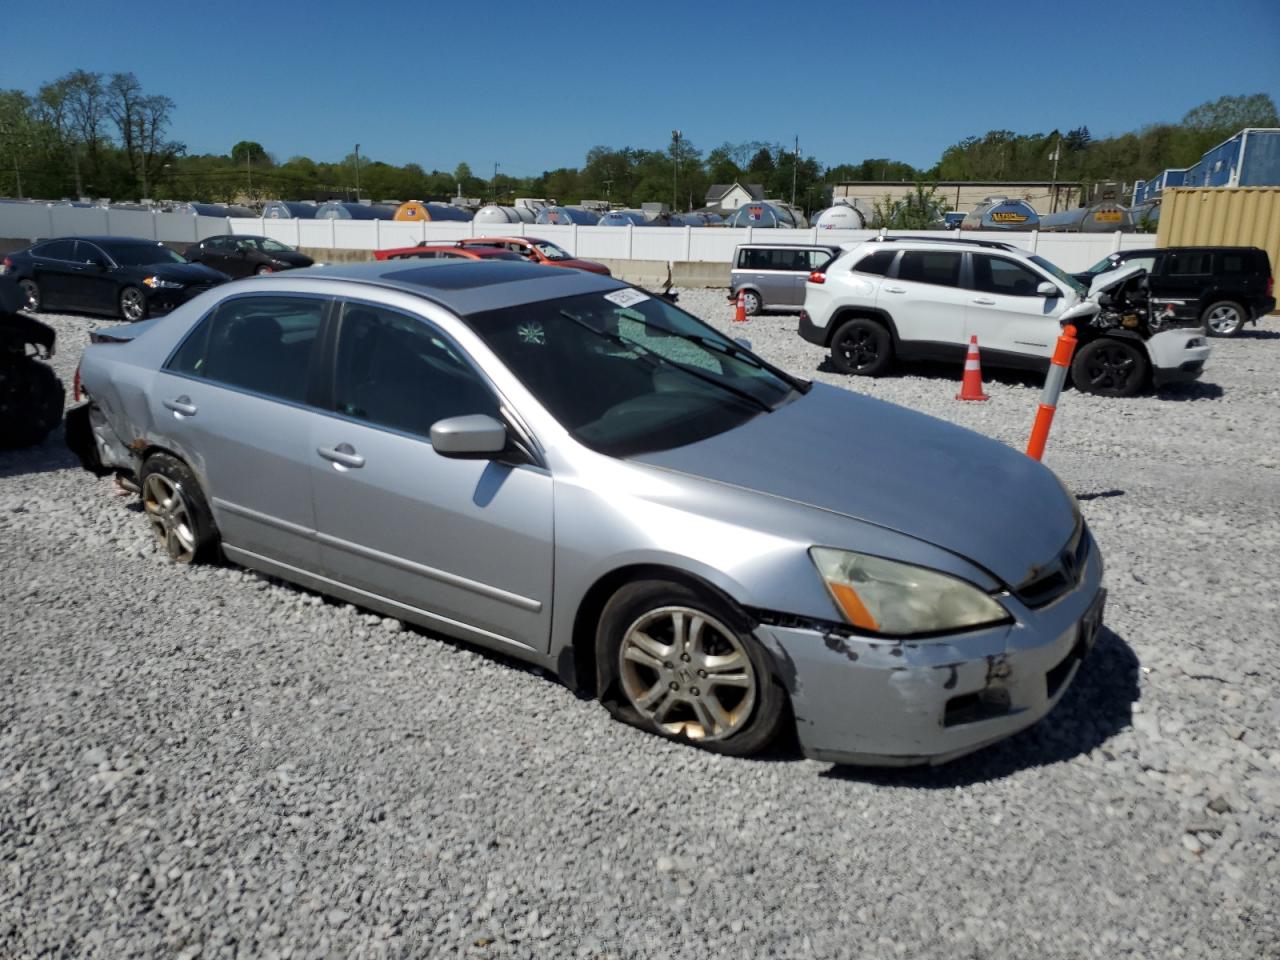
x=208, y=763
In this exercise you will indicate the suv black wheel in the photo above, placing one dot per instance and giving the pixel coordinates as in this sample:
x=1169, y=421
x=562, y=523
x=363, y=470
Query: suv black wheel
x=862, y=346
x=1223, y=319
x=1109, y=367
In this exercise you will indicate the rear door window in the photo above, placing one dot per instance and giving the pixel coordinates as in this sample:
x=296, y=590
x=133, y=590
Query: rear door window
x=56, y=250
x=877, y=263
x=940, y=268
x=1235, y=263
x=263, y=344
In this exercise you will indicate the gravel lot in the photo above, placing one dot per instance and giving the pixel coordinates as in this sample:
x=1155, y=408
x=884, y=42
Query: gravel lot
x=208, y=763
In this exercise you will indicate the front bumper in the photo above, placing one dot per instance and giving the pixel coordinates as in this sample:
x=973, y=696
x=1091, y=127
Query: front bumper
x=901, y=703
x=1177, y=355
x=165, y=300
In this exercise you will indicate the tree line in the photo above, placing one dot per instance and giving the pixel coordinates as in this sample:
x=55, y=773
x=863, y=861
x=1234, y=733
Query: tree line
x=94, y=134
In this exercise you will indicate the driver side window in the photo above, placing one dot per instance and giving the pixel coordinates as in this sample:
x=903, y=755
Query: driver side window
x=398, y=372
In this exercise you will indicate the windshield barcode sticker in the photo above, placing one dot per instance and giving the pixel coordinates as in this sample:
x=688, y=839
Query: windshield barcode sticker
x=626, y=297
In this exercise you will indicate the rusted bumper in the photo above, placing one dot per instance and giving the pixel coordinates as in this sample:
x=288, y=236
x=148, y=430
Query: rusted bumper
x=863, y=701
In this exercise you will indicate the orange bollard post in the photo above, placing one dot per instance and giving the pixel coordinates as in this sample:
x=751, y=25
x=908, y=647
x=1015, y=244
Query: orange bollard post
x=1053, y=384
x=740, y=314
x=971, y=382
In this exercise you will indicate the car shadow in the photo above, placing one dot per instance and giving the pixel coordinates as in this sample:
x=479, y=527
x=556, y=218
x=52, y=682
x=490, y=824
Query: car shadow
x=47, y=456
x=940, y=370
x=1098, y=705
x=1258, y=335
x=1186, y=392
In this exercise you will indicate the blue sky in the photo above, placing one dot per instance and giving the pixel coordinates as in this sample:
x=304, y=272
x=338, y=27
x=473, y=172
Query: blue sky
x=533, y=85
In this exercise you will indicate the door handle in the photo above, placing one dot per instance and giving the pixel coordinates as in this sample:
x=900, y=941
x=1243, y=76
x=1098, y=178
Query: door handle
x=343, y=455
x=895, y=289
x=182, y=406
x=985, y=303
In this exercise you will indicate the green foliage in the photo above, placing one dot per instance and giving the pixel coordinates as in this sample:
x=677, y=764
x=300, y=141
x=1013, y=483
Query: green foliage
x=916, y=211
x=1227, y=115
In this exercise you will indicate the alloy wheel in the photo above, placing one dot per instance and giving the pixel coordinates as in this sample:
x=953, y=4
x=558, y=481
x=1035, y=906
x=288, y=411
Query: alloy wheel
x=688, y=673
x=1224, y=319
x=750, y=303
x=132, y=304
x=1110, y=368
x=170, y=517
x=859, y=348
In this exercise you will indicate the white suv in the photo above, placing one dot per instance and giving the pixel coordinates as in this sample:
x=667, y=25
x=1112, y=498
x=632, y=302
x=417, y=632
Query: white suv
x=918, y=298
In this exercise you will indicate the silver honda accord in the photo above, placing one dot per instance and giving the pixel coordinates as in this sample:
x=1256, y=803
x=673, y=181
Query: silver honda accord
x=569, y=470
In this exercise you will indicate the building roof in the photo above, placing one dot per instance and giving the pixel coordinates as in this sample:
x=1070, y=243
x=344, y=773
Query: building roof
x=953, y=183
x=717, y=191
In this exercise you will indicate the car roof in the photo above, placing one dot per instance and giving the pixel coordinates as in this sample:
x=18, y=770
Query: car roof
x=470, y=286
x=104, y=240
x=788, y=246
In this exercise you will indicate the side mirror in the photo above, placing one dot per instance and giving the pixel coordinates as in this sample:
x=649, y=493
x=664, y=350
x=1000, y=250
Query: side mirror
x=472, y=437
x=1047, y=289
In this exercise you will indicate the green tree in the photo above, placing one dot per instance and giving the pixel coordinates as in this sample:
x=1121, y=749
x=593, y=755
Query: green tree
x=1227, y=115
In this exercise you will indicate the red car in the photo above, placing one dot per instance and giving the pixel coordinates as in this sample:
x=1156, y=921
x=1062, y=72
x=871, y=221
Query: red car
x=425, y=251
x=537, y=251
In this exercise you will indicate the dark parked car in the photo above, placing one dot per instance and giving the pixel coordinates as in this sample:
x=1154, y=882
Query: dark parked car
x=245, y=256
x=30, y=393
x=132, y=279
x=1222, y=287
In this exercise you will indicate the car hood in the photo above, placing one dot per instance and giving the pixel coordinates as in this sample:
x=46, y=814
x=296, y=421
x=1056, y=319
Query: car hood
x=185, y=272
x=1111, y=279
x=886, y=465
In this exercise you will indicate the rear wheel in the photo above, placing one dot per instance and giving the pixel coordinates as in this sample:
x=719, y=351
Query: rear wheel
x=31, y=300
x=30, y=402
x=673, y=663
x=1223, y=319
x=177, y=510
x=862, y=346
x=261, y=269
x=133, y=304
x=1109, y=368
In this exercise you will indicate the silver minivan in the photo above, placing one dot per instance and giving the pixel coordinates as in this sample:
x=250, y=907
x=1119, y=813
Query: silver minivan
x=773, y=274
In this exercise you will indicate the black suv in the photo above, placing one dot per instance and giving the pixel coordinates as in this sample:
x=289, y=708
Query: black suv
x=1223, y=287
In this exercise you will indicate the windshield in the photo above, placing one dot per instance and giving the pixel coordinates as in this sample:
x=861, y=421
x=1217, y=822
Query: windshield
x=551, y=251
x=627, y=373
x=1102, y=266
x=1061, y=274
x=141, y=254
x=273, y=246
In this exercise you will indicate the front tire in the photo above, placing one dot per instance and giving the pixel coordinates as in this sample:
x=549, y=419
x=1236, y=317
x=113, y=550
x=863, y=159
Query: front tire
x=31, y=299
x=1224, y=319
x=177, y=509
x=1110, y=367
x=261, y=270
x=751, y=303
x=133, y=304
x=30, y=402
x=672, y=662
x=862, y=346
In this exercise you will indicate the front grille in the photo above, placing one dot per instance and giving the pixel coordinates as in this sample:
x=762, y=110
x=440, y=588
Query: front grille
x=1059, y=575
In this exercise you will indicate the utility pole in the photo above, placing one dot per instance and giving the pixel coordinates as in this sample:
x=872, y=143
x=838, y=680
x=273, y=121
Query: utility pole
x=795, y=163
x=248, y=166
x=675, y=168
x=495, y=182
x=357, y=173
x=608, y=192
x=1053, y=182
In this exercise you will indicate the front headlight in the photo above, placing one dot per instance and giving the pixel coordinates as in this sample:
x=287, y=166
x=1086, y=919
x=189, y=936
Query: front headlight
x=156, y=283
x=899, y=599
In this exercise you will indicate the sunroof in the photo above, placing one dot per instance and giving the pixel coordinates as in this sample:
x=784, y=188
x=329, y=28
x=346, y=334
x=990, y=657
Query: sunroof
x=469, y=273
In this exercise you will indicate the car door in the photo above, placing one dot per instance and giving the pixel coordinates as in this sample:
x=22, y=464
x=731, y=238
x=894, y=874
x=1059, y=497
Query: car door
x=465, y=545
x=216, y=253
x=926, y=302
x=53, y=269
x=95, y=280
x=235, y=400
x=1186, y=276
x=1014, y=324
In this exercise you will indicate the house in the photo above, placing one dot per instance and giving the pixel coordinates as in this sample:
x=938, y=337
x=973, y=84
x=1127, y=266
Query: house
x=728, y=197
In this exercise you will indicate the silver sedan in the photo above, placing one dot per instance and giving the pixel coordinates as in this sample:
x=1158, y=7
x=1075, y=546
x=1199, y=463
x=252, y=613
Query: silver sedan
x=562, y=467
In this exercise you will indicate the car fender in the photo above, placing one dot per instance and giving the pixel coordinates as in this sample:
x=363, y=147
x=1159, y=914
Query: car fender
x=841, y=314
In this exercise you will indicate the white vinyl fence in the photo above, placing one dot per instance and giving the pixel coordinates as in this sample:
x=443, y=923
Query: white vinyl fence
x=33, y=221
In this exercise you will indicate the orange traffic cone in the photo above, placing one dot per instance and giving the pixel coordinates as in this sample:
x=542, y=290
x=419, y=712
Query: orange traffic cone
x=971, y=386
x=740, y=314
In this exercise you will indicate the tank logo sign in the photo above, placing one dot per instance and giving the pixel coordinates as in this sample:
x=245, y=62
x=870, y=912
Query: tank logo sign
x=1108, y=216
x=755, y=213
x=1008, y=217
x=626, y=297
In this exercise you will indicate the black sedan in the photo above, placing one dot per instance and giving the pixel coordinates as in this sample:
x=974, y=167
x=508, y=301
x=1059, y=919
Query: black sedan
x=240, y=256
x=131, y=279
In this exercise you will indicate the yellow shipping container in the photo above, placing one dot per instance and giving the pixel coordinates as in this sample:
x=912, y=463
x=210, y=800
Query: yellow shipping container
x=1222, y=217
